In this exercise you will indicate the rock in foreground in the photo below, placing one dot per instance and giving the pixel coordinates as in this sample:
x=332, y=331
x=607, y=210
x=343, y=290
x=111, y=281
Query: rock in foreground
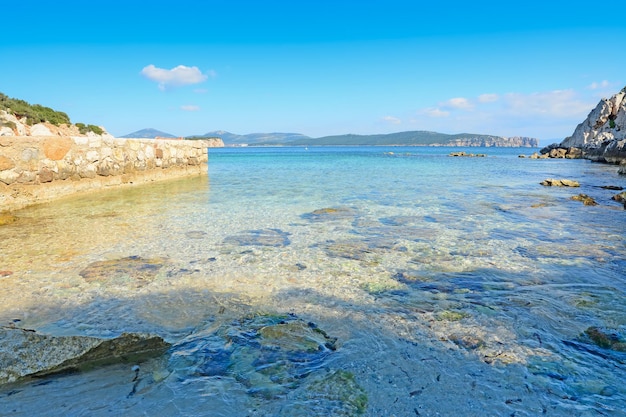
x=27, y=353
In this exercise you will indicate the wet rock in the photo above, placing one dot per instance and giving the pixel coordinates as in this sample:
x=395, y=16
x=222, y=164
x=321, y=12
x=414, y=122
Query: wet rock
x=328, y=214
x=586, y=200
x=349, y=249
x=606, y=339
x=260, y=237
x=269, y=355
x=557, y=151
x=134, y=269
x=612, y=187
x=466, y=341
x=196, y=234
x=471, y=155
x=28, y=353
x=621, y=198
x=448, y=315
x=335, y=394
x=551, y=182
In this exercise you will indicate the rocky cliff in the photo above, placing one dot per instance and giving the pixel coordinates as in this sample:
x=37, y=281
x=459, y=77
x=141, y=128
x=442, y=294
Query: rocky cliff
x=602, y=135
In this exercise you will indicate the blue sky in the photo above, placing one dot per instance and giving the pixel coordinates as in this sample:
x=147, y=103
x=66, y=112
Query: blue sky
x=533, y=68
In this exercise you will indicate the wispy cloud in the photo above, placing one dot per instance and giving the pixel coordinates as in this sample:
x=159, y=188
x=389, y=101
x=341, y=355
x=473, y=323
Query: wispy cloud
x=392, y=120
x=435, y=112
x=488, y=98
x=190, y=107
x=595, y=85
x=556, y=103
x=175, y=77
x=553, y=113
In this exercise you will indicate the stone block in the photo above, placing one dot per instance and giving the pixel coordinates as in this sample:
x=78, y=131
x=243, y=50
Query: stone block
x=9, y=177
x=6, y=163
x=30, y=154
x=56, y=148
x=45, y=175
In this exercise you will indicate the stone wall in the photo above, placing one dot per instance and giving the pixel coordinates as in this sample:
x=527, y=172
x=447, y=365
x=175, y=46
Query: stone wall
x=39, y=169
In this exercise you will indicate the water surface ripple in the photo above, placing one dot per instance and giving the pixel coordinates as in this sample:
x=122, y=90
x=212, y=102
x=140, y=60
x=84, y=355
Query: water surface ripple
x=453, y=286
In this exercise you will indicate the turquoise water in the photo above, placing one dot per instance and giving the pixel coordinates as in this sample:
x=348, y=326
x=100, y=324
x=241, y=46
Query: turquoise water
x=454, y=285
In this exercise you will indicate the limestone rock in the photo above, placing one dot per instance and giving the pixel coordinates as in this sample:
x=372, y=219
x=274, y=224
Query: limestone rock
x=602, y=135
x=6, y=163
x=586, y=200
x=28, y=353
x=40, y=129
x=56, y=148
x=550, y=182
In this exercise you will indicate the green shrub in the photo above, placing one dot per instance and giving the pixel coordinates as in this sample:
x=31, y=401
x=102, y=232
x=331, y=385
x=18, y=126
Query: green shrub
x=612, y=123
x=83, y=129
x=33, y=113
x=8, y=123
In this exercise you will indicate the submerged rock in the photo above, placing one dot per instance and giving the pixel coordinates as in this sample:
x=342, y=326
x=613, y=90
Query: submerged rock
x=28, y=353
x=138, y=270
x=606, y=339
x=329, y=213
x=269, y=355
x=260, y=237
x=621, y=198
x=588, y=201
x=196, y=234
x=471, y=155
x=334, y=394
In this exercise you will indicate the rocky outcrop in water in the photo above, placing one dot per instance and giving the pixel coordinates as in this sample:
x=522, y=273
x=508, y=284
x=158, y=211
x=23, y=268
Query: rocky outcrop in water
x=28, y=353
x=495, y=141
x=601, y=137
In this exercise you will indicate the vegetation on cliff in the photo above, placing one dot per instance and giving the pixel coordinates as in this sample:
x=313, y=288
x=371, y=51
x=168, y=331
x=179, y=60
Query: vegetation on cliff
x=36, y=113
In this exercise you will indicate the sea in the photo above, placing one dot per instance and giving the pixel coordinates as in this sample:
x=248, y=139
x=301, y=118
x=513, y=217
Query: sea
x=333, y=281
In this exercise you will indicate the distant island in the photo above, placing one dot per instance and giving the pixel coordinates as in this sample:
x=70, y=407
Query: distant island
x=411, y=138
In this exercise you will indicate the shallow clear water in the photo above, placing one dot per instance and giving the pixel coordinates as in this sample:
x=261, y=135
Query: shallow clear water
x=454, y=286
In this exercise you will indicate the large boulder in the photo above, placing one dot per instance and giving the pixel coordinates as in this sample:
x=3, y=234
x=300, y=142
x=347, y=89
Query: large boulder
x=602, y=135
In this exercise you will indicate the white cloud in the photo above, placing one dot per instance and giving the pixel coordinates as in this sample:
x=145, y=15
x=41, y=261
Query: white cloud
x=190, y=107
x=436, y=112
x=544, y=114
x=602, y=84
x=556, y=103
x=392, y=120
x=488, y=98
x=175, y=77
x=459, y=103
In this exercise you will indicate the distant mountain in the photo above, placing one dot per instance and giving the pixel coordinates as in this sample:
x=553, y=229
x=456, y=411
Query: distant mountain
x=256, y=138
x=418, y=138
x=149, y=133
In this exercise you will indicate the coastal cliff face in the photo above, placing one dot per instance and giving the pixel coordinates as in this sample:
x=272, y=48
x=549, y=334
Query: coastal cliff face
x=496, y=141
x=602, y=135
